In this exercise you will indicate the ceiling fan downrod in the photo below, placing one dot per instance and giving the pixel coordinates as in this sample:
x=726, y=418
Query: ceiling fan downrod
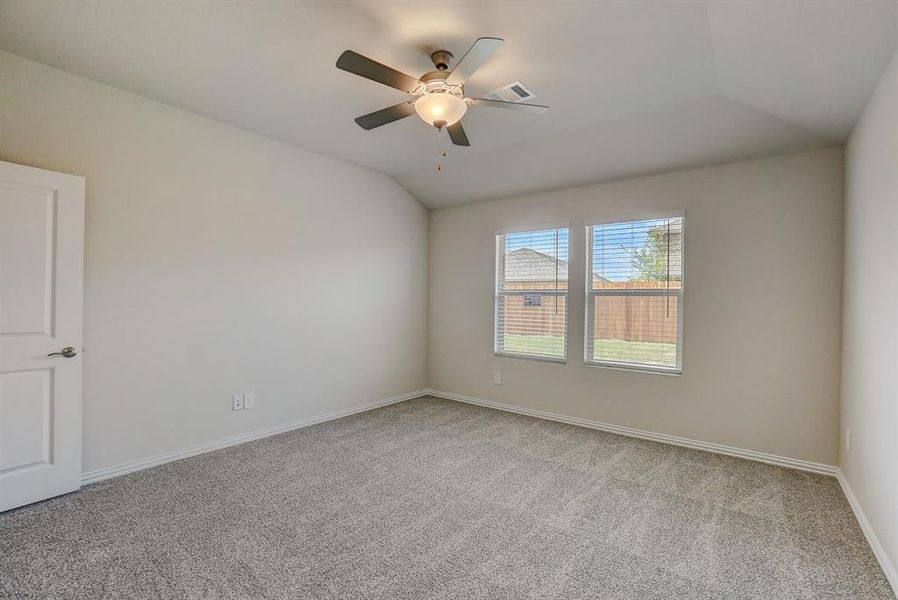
x=441, y=59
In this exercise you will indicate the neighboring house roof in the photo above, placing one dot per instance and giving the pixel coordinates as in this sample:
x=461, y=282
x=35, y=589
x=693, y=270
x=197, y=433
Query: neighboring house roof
x=525, y=264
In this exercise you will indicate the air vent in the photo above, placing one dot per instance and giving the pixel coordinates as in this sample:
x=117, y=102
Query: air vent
x=513, y=92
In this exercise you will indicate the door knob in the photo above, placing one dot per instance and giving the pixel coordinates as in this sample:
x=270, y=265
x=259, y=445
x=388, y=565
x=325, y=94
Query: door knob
x=67, y=352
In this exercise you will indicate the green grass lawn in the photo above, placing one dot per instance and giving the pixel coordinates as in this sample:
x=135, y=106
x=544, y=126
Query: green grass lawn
x=605, y=350
x=535, y=344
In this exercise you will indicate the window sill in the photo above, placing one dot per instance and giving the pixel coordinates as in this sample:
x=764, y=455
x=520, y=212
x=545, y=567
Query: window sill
x=548, y=359
x=635, y=368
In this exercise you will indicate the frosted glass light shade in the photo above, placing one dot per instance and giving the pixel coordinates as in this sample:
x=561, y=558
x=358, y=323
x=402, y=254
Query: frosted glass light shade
x=440, y=107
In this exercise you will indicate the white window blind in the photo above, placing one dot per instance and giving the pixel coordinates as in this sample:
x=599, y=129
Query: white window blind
x=531, y=294
x=634, y=294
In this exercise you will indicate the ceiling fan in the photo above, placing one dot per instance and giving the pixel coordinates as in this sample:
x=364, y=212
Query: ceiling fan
x=439, y=96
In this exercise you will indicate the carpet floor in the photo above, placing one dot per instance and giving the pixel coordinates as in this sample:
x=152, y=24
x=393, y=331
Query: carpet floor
x=436, y=499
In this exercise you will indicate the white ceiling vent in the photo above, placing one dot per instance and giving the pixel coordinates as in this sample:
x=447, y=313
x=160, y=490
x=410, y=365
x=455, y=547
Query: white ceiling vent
x=513, y=92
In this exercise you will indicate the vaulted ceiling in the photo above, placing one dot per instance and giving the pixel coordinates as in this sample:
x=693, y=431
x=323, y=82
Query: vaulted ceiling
x=634, y=87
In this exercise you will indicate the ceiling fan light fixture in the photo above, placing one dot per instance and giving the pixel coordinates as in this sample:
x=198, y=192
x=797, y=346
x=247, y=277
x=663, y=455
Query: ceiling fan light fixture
x=443, y=108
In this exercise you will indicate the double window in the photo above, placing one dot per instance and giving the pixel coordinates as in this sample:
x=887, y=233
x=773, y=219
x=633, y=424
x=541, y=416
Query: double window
x=634, y=294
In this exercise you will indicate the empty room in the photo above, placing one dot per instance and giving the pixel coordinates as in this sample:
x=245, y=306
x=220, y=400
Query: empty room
x=449, y=300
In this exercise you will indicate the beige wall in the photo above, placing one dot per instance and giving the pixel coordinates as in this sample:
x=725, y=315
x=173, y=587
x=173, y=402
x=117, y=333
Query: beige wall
x=219, y=261
x=870, y=321
x=762, y=306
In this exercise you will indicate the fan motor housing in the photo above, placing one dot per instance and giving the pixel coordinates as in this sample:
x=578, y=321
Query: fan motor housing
x=434, y=76
x=435, y=83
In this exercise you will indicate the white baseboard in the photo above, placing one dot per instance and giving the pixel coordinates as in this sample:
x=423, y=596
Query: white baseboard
x=782, y=461
x=879, y=552
x=166, y=457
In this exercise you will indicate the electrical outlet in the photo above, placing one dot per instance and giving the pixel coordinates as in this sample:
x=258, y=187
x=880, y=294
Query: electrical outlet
x=847, y=440
x=237, y=402
x=249, y=400
x=497, y=377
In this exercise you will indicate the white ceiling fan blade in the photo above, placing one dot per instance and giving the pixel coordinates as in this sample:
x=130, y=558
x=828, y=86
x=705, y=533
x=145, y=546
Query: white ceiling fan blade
x=482, y=49
x=518, y=106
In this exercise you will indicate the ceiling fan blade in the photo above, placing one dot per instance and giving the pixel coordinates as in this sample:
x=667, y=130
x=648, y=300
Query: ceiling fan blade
x=482, y=49
x=373, y=70
x=386, y=115
x=519, y=106
x=457, y=135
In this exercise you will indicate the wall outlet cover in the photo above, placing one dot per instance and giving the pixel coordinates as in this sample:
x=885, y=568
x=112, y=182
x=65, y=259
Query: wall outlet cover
x=237, y=402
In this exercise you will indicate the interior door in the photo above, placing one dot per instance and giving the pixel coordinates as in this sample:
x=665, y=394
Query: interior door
x=41, y=267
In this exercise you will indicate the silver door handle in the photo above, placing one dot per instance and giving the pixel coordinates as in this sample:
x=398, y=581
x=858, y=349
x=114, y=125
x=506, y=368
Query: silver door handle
x=67, y=352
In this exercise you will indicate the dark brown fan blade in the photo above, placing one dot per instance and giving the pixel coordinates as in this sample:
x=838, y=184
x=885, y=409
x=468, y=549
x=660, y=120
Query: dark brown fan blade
x=478, y=54
x=519, y=106
x=373, y=70
x=386, y=115
x=457, y=135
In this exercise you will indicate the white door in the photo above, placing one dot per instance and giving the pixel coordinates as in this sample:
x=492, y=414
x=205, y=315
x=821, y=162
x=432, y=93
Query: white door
x=41, y=265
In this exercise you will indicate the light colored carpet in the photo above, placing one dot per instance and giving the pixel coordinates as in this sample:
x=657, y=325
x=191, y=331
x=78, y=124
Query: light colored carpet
x=436, y=499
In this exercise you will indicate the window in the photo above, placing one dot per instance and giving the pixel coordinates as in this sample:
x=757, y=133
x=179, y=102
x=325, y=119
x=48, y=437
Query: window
x=634, y=294
x=531, y=294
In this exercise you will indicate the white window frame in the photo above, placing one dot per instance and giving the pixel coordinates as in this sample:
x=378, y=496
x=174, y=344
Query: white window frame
x=589, y=318
x=498, y=293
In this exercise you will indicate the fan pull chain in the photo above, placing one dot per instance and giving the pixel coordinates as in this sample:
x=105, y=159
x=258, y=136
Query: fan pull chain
x=442, y=152
x=443, y=156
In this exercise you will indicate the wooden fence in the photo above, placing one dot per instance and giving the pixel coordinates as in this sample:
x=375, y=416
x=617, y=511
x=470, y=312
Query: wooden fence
x=632, y=318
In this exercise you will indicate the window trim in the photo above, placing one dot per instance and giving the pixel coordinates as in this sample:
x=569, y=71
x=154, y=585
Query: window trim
x=589, y=293
x=499, y=263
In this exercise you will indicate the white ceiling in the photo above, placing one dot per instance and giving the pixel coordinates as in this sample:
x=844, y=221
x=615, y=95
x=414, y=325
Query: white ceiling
x=635, y=87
